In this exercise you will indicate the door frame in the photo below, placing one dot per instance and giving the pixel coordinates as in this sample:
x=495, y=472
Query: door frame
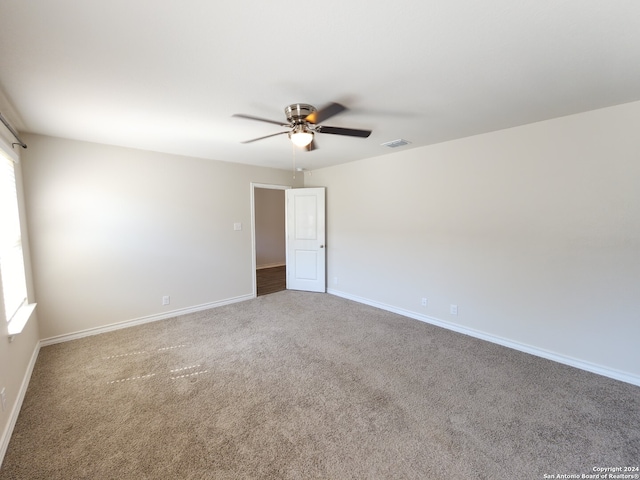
x=253, y=228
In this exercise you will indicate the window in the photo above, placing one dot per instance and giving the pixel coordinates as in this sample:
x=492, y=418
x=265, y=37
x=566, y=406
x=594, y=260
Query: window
x=12, y=273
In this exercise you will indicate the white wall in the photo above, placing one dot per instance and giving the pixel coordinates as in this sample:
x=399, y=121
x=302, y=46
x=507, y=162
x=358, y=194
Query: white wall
x=113, y=230
x=534, y=232
x=270, y=227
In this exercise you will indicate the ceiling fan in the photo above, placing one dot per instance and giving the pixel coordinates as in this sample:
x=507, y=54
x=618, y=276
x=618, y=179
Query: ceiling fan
x=304, y=121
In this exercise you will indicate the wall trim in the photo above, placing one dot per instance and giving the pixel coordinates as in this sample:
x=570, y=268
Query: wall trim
x=271, y=265
x=538, y=352
x=5, y=438
x=141, y=320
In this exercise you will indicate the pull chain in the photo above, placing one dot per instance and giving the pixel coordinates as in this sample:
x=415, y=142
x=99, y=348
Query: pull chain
x=293, y=156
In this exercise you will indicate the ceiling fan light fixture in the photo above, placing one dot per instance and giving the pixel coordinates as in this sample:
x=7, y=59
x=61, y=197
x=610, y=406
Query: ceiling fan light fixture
x=301, y=136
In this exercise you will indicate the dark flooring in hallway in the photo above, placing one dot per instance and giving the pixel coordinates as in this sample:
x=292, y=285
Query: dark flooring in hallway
x=271, y=280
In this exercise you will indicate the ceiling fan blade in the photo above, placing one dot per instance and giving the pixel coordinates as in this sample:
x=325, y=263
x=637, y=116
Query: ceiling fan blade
x=351, y=132
x=325, y=113
x=259, y=119
x=266, y=136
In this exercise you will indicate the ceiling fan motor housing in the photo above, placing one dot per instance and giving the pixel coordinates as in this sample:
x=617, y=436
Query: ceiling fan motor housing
x=298, y=112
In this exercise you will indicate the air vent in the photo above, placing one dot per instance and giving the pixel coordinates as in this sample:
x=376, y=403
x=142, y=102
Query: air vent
x=396, y=143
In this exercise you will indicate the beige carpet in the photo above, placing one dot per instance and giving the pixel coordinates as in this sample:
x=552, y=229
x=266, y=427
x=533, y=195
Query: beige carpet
x=300, y=385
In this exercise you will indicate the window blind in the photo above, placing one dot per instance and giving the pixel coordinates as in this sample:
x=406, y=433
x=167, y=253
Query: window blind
x=14, y=285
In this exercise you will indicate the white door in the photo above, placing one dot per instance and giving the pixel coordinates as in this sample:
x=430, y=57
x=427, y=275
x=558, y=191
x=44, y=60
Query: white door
x=306, y=239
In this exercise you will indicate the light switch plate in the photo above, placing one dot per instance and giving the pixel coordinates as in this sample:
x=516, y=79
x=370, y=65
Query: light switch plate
x=237, y=226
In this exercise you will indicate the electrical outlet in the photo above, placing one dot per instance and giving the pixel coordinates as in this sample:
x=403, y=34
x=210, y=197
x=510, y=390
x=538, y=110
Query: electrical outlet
x=453, y=309
x=335, y=280
x=3, y=398
x=166, y=300
x=424, y=301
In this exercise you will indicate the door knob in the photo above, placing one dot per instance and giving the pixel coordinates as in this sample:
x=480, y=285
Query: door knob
x=321, y=246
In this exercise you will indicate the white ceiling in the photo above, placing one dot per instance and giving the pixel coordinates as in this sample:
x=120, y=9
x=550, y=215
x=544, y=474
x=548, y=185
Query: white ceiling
x=167, y=76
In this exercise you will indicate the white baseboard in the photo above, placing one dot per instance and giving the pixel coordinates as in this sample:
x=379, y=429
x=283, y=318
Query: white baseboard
x=141, y=320
x=270, y=265
x=539, y=352
x=15, y=411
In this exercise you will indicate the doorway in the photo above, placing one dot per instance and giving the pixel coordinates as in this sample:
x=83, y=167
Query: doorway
x=269, y=238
